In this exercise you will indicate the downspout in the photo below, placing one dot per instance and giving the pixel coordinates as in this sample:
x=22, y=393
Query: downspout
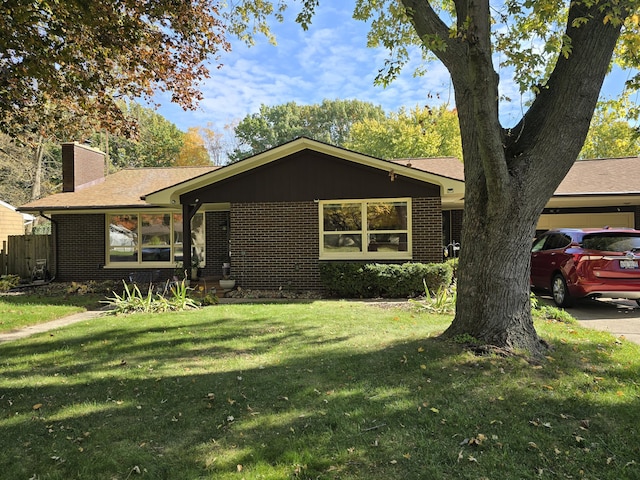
x=54, y=229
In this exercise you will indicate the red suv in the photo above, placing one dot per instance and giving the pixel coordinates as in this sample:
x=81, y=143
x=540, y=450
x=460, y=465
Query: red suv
x=575, y=263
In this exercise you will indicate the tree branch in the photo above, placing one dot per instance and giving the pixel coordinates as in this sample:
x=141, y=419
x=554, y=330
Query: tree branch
x=567, y=101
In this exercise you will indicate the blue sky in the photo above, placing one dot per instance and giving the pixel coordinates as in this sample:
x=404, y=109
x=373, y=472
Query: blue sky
x=330, y=60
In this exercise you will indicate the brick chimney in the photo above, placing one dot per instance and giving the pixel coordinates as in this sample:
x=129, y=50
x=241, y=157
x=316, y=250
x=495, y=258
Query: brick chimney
x=82, y=166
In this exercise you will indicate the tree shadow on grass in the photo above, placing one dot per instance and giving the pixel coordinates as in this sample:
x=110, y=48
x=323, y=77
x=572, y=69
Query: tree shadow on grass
x=273, y=399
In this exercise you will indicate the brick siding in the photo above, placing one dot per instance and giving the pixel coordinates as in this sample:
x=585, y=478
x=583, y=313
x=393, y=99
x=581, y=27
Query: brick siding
x=276, y=244
x=272, y=244
x=80, y=250
x=217, y=225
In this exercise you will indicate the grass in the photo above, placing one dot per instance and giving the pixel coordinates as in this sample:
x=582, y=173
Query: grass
x=17, y=311
x=321, y=390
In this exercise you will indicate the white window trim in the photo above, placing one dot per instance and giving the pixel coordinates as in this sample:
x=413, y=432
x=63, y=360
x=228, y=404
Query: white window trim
x=139, y=263
x=365, y=254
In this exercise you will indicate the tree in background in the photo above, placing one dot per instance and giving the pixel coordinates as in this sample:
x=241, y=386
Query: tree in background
x=330, y=122
x=157, y=142
x=193, y=150
x=419, y=132
x=610, y=134
x=219, y=143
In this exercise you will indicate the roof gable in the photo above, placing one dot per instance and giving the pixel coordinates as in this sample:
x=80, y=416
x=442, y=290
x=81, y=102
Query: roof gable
x=310, y=175
x=172, y=194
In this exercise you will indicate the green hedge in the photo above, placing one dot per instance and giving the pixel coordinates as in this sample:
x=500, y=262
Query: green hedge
x=371, y=280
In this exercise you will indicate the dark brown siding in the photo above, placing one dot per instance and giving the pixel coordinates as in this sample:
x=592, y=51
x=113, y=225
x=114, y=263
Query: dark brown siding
x=456, y=225
x=309, y=175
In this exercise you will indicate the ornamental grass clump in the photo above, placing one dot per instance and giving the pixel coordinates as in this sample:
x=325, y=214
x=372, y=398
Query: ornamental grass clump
x=132, y=300
x=443, y=301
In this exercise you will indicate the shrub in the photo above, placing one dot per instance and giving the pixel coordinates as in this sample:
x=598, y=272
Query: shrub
x=370, y=280
x=7, y=282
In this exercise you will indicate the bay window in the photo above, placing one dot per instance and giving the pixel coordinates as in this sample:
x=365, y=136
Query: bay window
x=378, y=228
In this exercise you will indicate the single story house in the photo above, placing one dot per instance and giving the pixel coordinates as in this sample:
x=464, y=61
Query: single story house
x=278, y=215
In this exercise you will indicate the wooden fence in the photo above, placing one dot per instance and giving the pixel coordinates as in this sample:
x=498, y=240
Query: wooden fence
x=21, y=254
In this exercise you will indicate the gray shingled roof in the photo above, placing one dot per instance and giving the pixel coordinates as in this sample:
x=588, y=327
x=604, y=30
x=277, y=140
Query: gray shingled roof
x=606, y=176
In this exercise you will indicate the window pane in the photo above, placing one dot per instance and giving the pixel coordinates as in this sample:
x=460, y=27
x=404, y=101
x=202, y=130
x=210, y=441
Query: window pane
x=177, y=228
x=387, y=216
x=387, y=242
x=337, y=243
x=156, y=229
x=156, y=254
x=123, y=238
x=611, y=242
x=198, y=240
x=342, y=217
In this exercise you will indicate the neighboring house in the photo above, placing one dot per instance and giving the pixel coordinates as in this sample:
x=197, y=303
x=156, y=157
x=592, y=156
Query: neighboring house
x=278, y=215
x=596, y=193
x=12, y=222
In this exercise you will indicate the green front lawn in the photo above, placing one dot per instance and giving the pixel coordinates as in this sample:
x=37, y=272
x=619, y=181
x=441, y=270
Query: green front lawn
x=17, y=311
x=319, y=390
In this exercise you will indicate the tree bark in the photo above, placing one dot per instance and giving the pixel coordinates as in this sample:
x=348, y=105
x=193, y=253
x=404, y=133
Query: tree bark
x=36, y=186
x=510, y=175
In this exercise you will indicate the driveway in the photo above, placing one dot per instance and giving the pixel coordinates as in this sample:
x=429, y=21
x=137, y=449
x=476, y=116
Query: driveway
x=619, y=317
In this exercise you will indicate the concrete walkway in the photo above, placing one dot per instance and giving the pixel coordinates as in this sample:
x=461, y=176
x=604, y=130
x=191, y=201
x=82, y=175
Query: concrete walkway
x=52, y=325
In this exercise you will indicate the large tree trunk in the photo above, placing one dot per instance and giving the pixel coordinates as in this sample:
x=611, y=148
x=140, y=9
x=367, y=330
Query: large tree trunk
x=511, y=174
x=493, y=303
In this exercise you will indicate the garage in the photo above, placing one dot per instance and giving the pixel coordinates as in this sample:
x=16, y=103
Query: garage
x=585, y=220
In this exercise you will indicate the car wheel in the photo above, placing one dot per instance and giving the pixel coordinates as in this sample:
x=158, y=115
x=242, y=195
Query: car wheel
x=560, y=292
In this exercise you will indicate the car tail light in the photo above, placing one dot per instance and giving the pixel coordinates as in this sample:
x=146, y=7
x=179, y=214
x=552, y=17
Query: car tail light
x=582, y=261
x=588, y=257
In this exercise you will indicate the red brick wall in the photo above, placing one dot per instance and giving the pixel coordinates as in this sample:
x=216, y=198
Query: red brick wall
x=272, y=244
x=80, y=242
x=276, y=244
x=81, y=165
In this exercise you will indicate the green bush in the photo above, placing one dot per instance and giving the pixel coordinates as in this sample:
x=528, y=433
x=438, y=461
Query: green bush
x=370, y=280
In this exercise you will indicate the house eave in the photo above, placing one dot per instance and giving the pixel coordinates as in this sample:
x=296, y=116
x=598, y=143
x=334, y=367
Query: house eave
x=578, y=200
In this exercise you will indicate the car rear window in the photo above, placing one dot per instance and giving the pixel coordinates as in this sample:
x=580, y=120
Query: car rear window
x=611, y=242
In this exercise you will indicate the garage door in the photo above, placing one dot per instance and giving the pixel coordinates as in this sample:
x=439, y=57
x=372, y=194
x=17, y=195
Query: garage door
x=586, y=220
